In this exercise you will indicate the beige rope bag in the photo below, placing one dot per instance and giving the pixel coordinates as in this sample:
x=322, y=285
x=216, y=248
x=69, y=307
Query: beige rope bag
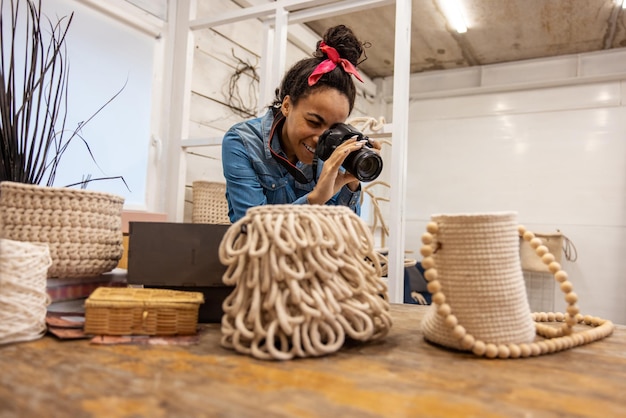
x=306, y=279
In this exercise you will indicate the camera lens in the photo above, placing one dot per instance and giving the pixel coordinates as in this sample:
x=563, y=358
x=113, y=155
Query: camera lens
x=366, y=165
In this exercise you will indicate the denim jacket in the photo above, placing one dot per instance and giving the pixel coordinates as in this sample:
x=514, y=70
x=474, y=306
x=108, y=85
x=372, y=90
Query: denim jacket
x=254, y=177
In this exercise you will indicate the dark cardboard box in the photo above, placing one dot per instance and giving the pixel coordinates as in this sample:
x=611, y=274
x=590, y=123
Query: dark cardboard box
x=180, y=256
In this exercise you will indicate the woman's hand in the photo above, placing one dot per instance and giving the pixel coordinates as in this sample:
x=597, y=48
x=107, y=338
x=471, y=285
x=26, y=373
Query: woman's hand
x=331, y=179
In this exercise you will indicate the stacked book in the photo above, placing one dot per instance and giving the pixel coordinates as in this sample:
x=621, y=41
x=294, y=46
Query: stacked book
x=69, y=294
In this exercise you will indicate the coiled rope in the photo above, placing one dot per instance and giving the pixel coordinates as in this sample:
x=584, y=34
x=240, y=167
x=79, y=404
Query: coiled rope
x=23, y=297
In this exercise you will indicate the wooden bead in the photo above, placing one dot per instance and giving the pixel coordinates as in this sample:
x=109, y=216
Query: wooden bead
x=515, y=350
x=467, y=342
x=431, y=275
x=432, y=227
x=559, y=344
x=571, y=298
x=535, y=242
x=541, y=250
x=479, y=348
x=426, y=250
x=554, y=267
x=567, y=286
x=503, y=351
x=587, y=319
x=525, y=350
x=458, y=332
x=434, y=286
x=451, y=321
x=559, y=316
x=577, y=339
x=572, y=310
x=548, y=332
x=444, y=310
x=427, y=238
x=428, y=263
x=491, y=350
x=520, y=230
x=560, y=276
x=535, y=350
x=551, y=316
x=547, y=258
x=438, y=298
x=528, y=236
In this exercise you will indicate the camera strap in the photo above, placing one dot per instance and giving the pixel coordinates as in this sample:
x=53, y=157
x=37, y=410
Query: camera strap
x=297, y=174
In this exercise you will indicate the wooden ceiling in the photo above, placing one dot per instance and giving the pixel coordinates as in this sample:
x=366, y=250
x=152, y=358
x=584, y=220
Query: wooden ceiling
x=498, y=31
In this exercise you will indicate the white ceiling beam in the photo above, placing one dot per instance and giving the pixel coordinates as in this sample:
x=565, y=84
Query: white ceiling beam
x=252, y=12
x=335, y=9
x=128, y=14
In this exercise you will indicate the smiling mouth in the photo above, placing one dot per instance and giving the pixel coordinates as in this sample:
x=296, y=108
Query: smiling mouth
x=308, y=148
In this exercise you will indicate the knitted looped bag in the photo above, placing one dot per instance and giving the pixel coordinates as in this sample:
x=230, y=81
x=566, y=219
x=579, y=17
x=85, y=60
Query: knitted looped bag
x=306, y=279
x=479, y=298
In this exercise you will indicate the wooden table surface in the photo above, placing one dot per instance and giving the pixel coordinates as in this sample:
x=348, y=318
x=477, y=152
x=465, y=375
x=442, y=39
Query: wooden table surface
x=401, y=376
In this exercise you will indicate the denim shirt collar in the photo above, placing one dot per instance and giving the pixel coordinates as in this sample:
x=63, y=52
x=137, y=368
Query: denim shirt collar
x=272, y=122
x=268, y=125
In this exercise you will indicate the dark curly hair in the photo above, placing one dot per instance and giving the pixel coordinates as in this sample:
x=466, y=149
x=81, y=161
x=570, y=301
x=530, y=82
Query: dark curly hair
x=295, y=82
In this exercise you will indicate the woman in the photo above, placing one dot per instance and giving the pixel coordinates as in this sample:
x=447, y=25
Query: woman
x=269, y=160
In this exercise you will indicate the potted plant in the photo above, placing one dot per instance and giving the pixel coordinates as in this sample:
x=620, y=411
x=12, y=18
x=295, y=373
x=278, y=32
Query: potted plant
x=81, y=227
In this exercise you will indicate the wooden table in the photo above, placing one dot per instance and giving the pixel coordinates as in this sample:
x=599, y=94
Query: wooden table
x=398, y=377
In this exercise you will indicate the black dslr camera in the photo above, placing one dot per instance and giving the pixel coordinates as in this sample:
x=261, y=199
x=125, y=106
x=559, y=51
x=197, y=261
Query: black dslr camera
x=364, y=164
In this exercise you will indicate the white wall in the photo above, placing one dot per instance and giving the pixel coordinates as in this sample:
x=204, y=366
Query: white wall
x=544, y=138
x=105, y=54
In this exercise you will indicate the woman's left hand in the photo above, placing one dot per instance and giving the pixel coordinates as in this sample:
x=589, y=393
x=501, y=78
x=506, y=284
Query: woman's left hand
x=376, y=146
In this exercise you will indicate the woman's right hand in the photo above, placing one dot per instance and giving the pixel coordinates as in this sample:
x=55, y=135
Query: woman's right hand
x=332, y=178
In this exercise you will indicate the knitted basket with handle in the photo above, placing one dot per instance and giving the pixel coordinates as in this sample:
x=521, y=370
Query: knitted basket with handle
x=82, y=228
x=209, y=203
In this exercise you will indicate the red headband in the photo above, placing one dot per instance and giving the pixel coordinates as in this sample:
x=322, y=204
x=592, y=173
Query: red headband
x=329, y=64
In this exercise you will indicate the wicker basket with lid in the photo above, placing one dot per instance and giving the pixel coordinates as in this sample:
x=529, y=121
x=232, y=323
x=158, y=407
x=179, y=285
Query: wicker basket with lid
x=137, y=311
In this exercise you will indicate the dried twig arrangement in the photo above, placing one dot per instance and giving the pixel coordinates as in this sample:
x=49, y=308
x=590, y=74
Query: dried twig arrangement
x=33, y=97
